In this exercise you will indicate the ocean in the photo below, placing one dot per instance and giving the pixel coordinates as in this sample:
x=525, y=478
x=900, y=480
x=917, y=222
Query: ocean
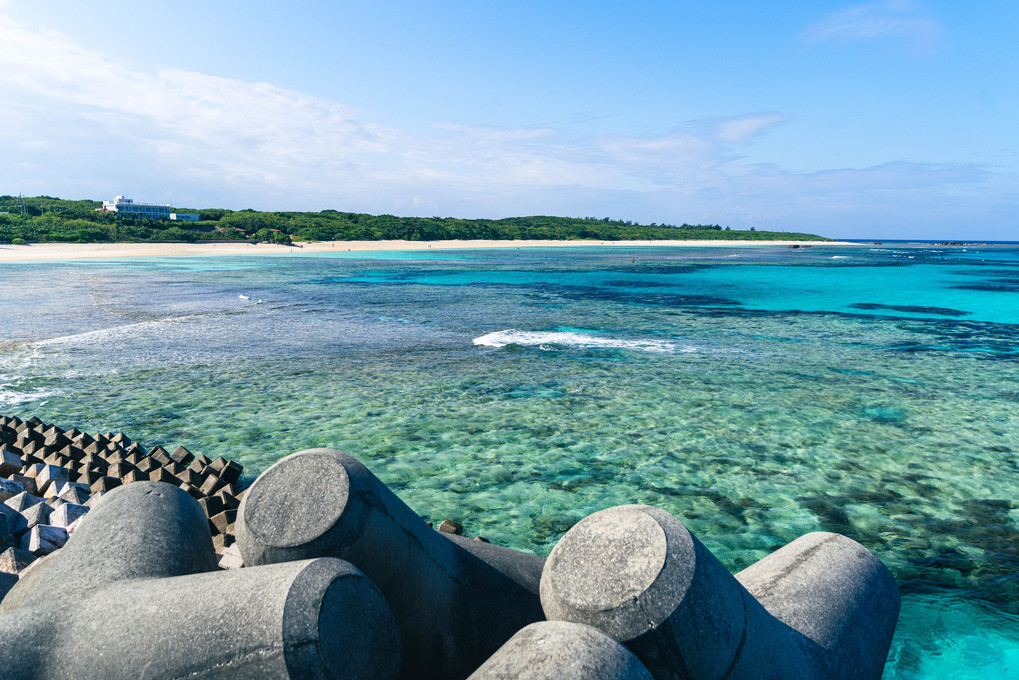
x=757, y=393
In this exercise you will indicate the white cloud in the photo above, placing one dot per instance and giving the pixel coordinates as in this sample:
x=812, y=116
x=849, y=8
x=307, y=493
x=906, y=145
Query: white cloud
x=743, y=128
x=78, y=123
x=891, y=19
x=237, y=132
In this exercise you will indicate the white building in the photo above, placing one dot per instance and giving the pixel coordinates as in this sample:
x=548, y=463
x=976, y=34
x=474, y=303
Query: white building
x=152, y=211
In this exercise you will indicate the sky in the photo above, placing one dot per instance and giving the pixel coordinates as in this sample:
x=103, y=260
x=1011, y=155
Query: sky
x=888, y=119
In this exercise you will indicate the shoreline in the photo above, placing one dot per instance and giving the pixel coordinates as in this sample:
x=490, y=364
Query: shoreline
x=87, y=251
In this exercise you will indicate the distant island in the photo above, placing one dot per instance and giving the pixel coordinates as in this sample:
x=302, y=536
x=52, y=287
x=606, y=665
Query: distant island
x=44, y=219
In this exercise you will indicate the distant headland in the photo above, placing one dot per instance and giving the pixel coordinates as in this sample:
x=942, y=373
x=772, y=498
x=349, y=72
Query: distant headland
x=44, y=219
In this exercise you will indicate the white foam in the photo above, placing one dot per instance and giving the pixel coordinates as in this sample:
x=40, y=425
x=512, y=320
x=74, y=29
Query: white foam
x=127, y=331
x=549, y=340
x=12, y=369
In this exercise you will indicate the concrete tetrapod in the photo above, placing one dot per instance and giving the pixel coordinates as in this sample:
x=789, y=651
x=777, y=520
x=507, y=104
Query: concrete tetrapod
x=561, y=650
x=455, y=603
x=136, y=593
x=827, y=606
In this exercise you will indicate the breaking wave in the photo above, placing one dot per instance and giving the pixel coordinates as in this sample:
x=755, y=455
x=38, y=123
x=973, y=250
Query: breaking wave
x=549, y=340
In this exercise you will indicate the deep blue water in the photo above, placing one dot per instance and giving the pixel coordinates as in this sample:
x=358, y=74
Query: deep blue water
x=757, y=393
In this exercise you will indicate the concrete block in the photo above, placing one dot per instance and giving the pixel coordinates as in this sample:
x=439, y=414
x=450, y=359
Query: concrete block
x=55, y=439
x=159, y=454
x=231, y=558
x=22, y=501
x=94, y=462
x=182, y=456
x=210, y=485
x=231, y=472
x=189, y=476
x=161, y=474
x=28, y=459
x=10, y=462
x=67, y=513
x=31, y=517
x=147, y=465
x=229, y=501
x=560, y=650
x=96, y=495
x=223, y=520
x=191, y=490
x=639, y=575
x=135, y=475
x=9, y=489
x=50, y=474
x=43, y=539
x=221, y=542
x=312, y=618
x=212, y=505
x=120, y=470
x=88, y=477
x=454, y=609
x=67, y=487
x=15, y=560
x=104, y=484
x=33, y=469
x=27, y=482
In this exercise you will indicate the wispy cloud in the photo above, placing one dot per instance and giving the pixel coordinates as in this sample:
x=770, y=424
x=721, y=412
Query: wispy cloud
x=77, y=118
x=240, y=132
x=899, y=20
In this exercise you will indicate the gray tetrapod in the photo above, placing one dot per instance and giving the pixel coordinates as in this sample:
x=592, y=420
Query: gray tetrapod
x=136, y=593
x=821, y=608
x=454, y=605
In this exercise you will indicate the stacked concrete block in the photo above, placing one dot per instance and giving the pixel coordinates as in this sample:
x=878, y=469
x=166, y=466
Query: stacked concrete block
x=455, y=605
x=177, y=614
x=821, y=608
x=66, y=469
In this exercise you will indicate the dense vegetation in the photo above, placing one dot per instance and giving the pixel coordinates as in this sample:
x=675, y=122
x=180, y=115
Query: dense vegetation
x=46, y=219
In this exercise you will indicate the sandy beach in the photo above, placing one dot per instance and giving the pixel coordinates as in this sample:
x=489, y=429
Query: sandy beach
x=84, y=251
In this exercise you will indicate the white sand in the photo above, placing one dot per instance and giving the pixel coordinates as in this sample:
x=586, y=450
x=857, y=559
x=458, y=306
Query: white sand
x=82, y=251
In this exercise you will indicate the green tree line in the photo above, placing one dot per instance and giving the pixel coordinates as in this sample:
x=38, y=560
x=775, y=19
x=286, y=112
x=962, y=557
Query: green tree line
x=43, y=219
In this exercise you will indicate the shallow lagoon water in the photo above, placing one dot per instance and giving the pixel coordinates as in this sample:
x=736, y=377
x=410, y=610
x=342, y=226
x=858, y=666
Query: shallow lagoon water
x=756, y=393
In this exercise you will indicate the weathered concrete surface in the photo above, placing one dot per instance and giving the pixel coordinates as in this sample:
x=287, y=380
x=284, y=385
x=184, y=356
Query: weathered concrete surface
x=119, y=601
x=561, y=650
x=637, y=573
x=837, y=594
x=454, y=607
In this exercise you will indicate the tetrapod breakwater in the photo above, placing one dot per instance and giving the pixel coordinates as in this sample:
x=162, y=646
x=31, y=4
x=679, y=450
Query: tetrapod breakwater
x=333, y=576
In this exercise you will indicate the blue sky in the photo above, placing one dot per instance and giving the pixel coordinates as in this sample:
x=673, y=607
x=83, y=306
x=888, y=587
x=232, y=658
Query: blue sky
x=890, y=119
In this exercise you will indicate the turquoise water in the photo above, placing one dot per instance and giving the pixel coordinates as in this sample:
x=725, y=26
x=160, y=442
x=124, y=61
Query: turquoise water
x=756, y=393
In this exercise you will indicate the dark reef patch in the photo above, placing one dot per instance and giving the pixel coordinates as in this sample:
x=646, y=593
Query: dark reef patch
x=911, y=309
